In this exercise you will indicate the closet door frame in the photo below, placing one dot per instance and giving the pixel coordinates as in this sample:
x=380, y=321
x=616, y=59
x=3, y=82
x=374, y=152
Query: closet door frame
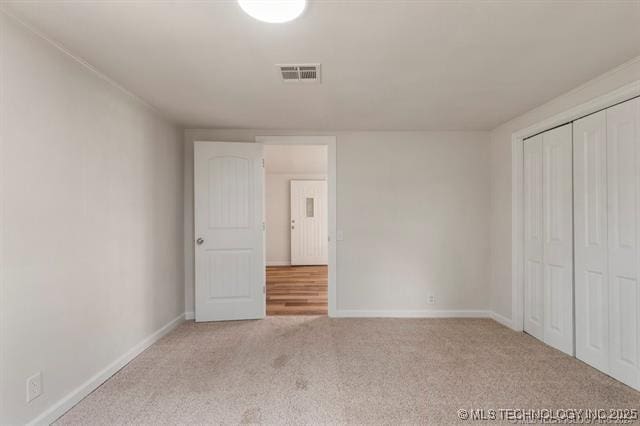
x=631, y=90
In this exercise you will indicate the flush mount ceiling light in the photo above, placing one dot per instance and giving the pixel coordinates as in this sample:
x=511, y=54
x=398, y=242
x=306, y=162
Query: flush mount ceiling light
x=273, y=11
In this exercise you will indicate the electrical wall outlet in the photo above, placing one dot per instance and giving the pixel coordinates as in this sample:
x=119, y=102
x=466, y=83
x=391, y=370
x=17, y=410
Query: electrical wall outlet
x=431, y=299
x=34, y=386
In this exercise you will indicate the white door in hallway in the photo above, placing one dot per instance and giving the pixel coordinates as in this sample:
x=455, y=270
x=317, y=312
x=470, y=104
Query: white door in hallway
x=229, y=231
x=309, y=236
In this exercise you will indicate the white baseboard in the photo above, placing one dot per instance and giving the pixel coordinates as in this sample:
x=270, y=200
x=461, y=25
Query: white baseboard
x=278, y=263
x=345, y=313
x=502, y=320
x=342, y=313
x=63, y=405
x=189, y=315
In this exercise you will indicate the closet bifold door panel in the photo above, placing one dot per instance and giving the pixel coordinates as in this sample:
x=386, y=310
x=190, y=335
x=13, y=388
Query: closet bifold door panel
x=607, y=240
x=533, y=269
x=557, y=202
x=591, y=258
x=548, y=232
x=623, y=178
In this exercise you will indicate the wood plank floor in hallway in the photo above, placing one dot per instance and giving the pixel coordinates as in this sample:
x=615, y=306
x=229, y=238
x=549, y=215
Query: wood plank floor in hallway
x=296, y=290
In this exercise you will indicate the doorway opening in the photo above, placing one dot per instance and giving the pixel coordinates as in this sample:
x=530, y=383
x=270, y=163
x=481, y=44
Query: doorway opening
x=297, y=229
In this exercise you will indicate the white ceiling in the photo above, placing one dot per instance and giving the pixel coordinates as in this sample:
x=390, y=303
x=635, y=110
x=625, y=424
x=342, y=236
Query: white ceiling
x=386, y=64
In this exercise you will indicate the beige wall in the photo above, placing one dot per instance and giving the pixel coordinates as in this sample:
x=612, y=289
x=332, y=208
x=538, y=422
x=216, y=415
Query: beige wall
x=414, y=209
x=501, y=173
x=92, y=222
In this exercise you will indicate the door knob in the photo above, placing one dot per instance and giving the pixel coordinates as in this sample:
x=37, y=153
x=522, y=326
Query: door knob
x=200, y=241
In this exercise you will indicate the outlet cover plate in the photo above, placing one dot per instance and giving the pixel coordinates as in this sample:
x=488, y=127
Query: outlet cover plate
x=34, y=386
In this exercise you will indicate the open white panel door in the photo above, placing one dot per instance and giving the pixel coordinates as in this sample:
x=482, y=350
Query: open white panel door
x=557, y=202
x=309, y=222
x=229, y=231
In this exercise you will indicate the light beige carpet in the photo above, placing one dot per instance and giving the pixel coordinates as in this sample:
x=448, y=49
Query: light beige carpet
x=302, y=370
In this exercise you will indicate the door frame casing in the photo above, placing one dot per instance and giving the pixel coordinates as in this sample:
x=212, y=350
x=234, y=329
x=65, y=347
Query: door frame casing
x=330, y=142
x=621, y=94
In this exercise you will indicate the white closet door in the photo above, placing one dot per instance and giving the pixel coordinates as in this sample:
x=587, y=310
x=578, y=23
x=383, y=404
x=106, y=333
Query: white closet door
x=591, y=258
x=533, y=270
x=623, y=163
x=557, y=202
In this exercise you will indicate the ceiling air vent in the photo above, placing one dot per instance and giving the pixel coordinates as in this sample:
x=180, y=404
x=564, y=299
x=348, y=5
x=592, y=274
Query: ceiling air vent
x=300, y=73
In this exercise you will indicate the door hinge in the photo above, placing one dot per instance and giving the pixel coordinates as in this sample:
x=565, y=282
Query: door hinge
x=263, y=163
x=264, y=226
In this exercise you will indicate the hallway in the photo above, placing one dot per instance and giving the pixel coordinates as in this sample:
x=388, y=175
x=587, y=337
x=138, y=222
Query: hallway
x=297, y=290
